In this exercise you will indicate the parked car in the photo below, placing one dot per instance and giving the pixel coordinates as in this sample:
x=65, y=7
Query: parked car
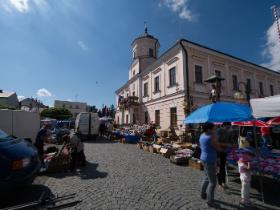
x=87, y=124
x=19, y=162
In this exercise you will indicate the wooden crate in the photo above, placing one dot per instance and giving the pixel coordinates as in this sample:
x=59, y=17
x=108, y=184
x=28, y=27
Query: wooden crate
x=194, y=163
x=140, y=145
x=152, y=149
x=146, y=148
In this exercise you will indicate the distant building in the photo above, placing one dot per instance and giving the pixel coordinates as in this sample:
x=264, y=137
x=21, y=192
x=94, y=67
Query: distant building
x=9, y=99
x=163, y=89
x=32, y=104
x=74, y=107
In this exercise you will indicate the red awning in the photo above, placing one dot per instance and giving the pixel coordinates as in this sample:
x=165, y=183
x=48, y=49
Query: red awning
x=274, y=121
x=257, y=123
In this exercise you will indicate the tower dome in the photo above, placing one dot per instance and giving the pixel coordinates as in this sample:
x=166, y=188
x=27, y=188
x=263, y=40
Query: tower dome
x=145, y=46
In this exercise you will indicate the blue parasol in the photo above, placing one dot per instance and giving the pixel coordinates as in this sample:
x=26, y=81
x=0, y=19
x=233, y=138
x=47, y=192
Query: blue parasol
x=220, y=112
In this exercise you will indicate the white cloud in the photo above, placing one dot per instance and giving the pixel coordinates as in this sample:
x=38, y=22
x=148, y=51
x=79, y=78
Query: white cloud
x=272, y=48
x=22, y=6
x=20, y=98
x=82, y=45
x=181, y=7
x=44, y=93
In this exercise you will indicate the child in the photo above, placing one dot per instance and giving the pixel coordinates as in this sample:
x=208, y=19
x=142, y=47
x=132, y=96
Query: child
x=244, y=167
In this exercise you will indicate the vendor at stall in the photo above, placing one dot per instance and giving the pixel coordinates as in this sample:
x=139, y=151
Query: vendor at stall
x=41, y=138
x=77, y=151
x=224, y=136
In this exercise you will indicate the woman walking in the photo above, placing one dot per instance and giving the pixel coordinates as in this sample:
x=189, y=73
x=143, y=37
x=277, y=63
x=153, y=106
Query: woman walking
x=209, y=146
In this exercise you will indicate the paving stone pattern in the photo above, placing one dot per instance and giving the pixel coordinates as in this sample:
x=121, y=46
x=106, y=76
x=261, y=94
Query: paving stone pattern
x=120, y=176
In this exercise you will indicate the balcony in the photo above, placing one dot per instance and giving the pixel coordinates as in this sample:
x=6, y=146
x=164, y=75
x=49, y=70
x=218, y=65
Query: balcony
x=130, y=101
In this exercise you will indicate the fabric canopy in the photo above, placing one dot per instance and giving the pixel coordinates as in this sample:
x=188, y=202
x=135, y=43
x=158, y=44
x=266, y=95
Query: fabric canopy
x=220, y=112
x=257, y=123
x=266, y=107
x=274, y=121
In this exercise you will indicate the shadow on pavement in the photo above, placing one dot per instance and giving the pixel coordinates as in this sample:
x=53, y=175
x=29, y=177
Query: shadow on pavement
x=270, y=190
x=22, y=195
x=87, y=172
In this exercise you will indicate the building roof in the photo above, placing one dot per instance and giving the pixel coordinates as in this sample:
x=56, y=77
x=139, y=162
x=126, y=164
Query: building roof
x=6, y=94
x=145, y=35
x=202, y=46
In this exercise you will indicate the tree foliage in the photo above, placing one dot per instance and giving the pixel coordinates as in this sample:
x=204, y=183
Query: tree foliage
x=57, y=113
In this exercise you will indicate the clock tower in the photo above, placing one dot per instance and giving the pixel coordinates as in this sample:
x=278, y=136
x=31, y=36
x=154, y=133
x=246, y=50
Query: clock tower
x=144, y=52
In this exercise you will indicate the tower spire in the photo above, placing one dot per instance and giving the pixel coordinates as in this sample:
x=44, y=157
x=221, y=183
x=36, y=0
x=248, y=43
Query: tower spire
x=145, y=27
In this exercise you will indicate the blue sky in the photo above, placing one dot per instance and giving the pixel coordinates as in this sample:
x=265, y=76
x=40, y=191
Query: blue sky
x=80, y=49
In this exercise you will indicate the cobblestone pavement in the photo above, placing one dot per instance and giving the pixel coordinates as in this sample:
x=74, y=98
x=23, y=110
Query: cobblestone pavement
x=120, y=176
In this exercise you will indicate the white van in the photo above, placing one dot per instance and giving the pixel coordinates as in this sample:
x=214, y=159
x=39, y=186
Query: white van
x=87, y=124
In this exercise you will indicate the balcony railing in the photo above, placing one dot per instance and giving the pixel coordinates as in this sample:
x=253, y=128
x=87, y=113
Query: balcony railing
x=128, y=102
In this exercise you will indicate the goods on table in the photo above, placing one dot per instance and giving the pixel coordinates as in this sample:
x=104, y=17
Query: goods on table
x=57, y=161
x=267, y=163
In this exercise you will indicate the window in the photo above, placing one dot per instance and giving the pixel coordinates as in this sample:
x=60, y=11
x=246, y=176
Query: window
x=271, y=90
x=218, y=73
x=133, y=73
x=156, y=87
x=198, y=74
x=151, y=52
x=77, y=106
x=133, y=93
x=248, y=84
x=134, y=55
x=146, y=89
x=134, y=118
x=173, y=117
x=261, y=89
x=172, y=77
x=126, y=120
x=234, y=82
x=146, y=117
x=157, y=117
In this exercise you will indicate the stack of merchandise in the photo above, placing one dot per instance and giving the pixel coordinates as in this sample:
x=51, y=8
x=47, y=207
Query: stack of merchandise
x=267, y=163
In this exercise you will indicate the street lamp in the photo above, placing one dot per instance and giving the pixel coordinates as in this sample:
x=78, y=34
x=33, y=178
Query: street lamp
x=240, y=96
x=216, y=82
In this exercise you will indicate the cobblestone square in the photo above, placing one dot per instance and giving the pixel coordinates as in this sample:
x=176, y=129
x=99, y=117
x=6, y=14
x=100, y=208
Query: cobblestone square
x=120, y=176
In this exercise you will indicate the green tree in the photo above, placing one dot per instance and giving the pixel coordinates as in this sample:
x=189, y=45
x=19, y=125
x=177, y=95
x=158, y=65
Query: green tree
x=57, y=113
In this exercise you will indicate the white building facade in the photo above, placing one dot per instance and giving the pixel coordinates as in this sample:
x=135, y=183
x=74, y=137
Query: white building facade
x=164, y=89
x=74, y=107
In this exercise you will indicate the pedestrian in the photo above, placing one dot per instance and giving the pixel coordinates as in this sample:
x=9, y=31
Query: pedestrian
x=244, y=167
x=42, y=137
x=209, y=146
x=224, y=136
x=265, y=136
x=102, y=129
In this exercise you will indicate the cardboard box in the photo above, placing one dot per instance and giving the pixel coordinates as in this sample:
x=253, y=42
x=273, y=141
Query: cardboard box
x=166, y=152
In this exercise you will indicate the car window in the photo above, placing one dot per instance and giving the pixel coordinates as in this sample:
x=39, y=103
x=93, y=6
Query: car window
x=3, y=135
